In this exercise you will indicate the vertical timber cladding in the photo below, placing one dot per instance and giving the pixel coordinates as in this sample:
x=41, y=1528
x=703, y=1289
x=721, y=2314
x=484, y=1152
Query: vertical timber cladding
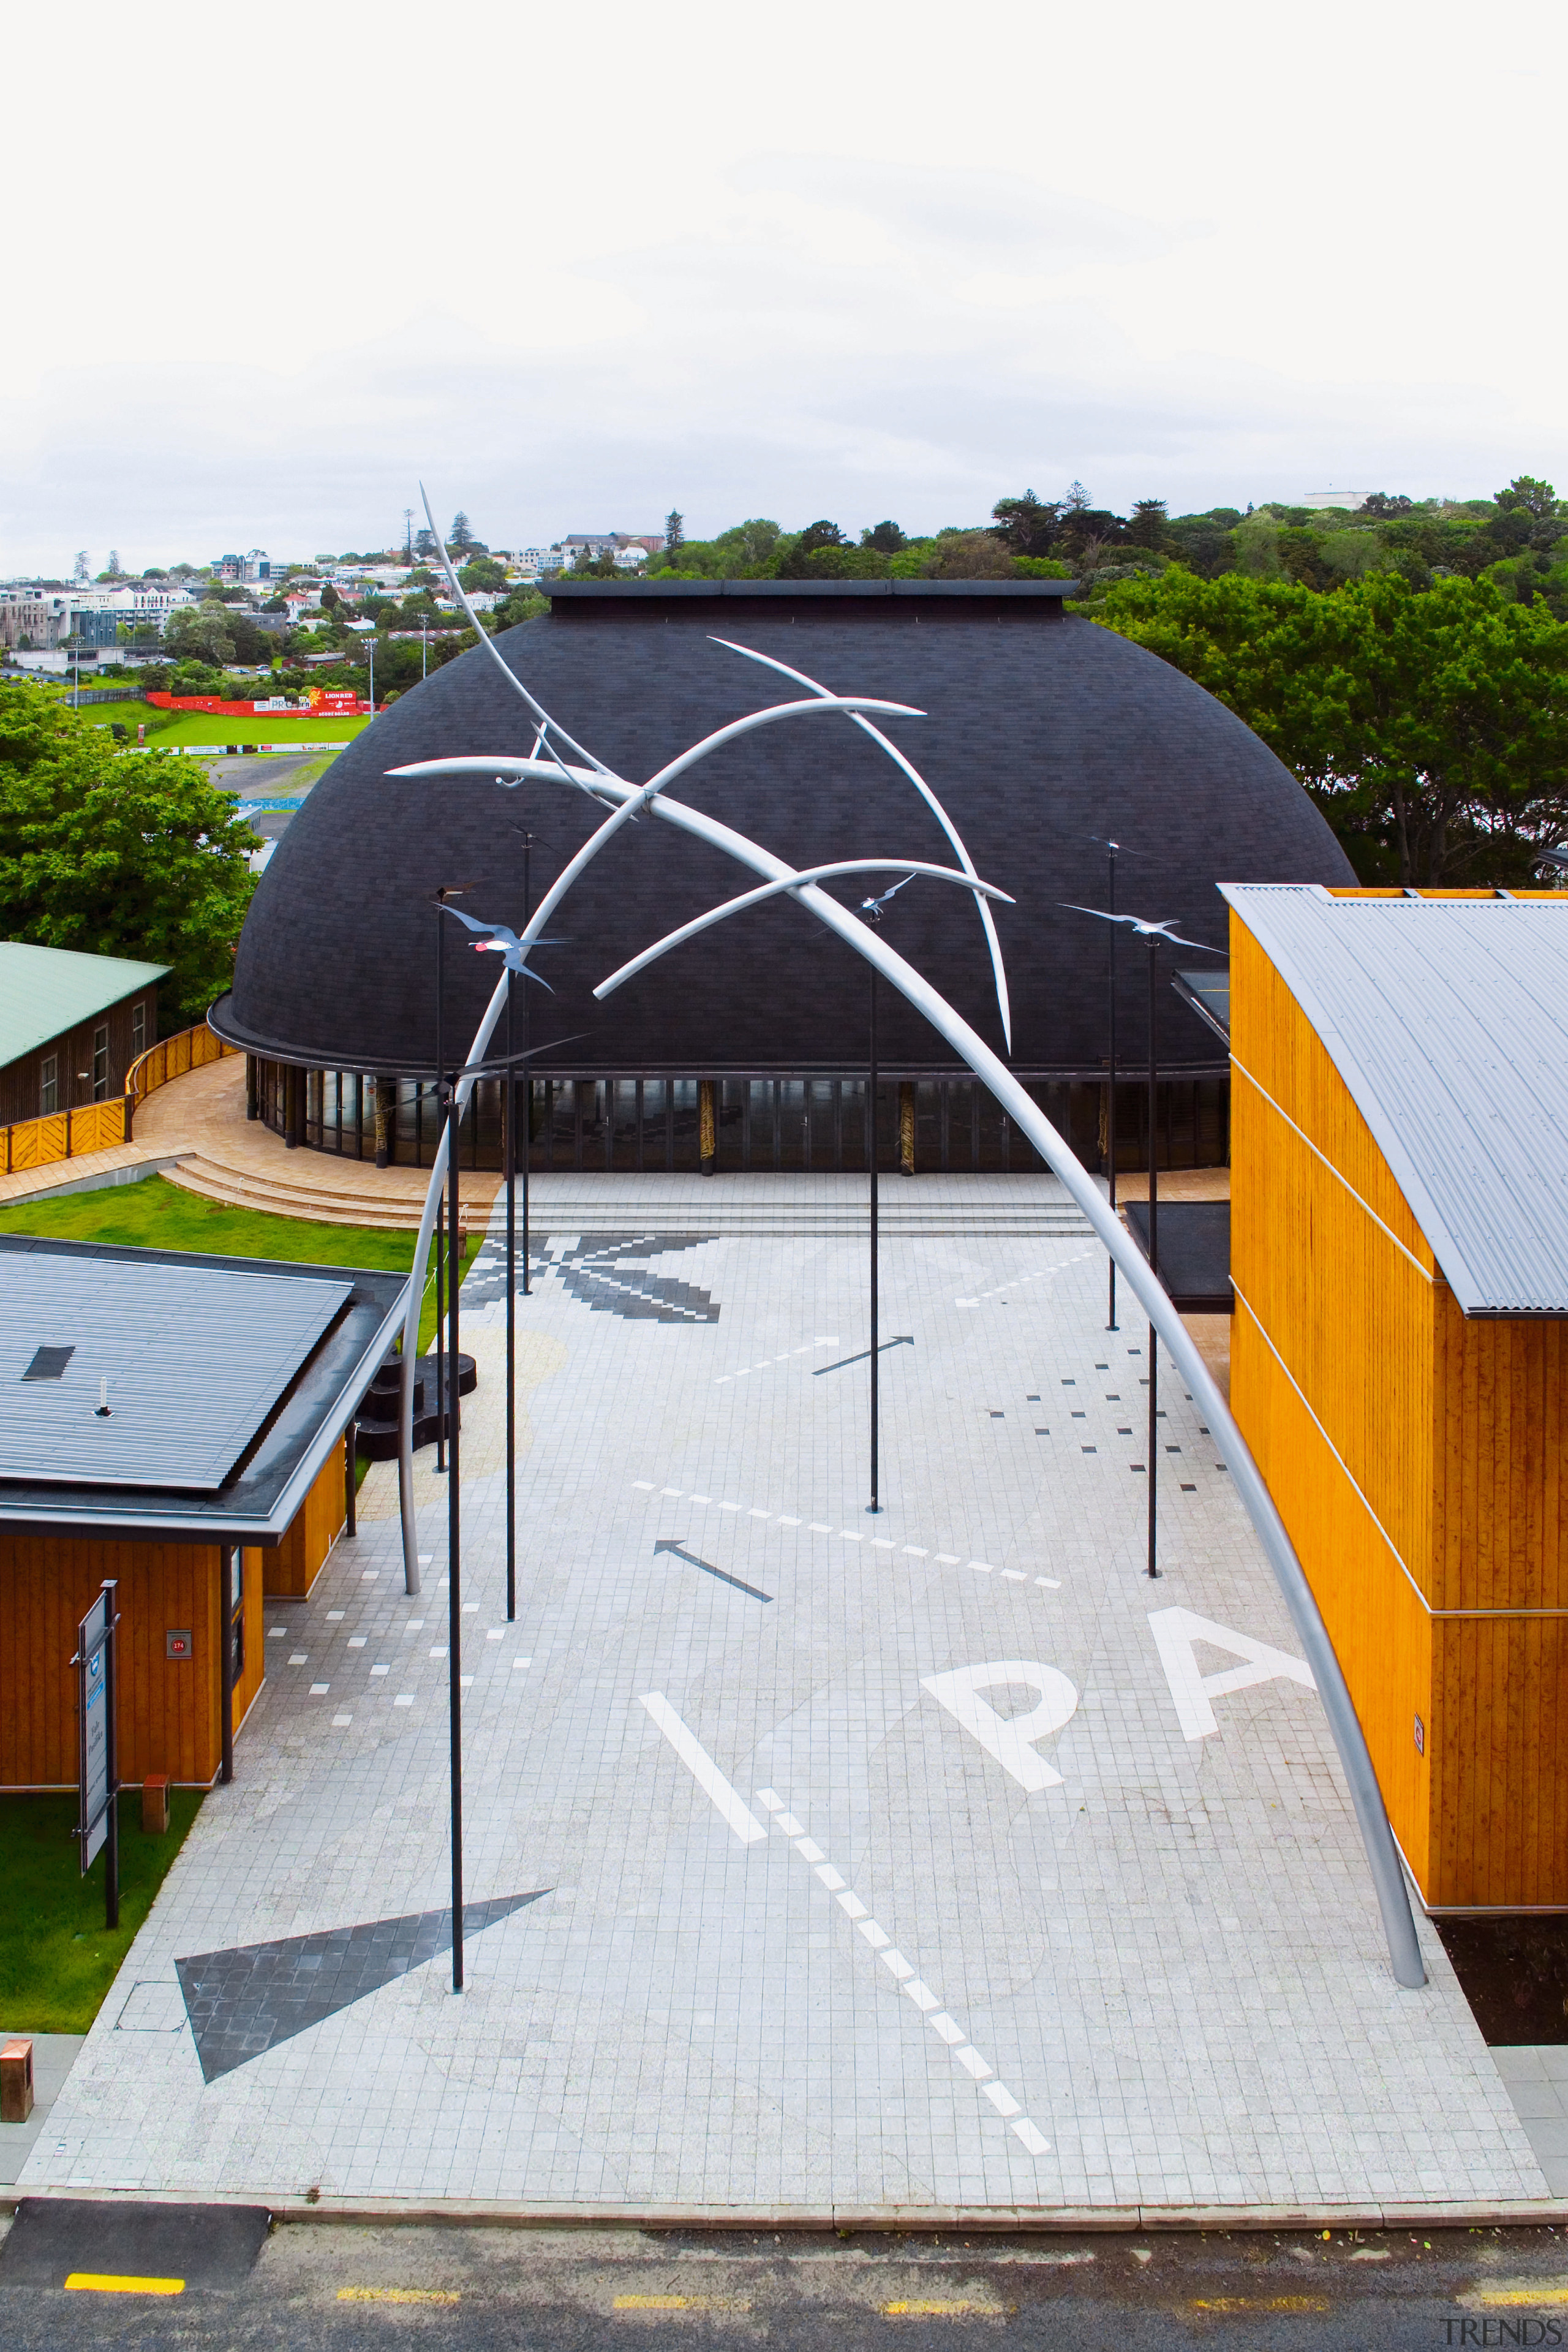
x=288, y=1572
x=1417, y=1457
x=167, y=1708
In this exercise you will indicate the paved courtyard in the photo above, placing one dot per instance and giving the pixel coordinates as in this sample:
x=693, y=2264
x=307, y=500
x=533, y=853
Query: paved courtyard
x=930, y=1860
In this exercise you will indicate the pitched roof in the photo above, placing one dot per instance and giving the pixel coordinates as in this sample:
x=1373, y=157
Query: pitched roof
x=46, y=991
x=1447, y=1020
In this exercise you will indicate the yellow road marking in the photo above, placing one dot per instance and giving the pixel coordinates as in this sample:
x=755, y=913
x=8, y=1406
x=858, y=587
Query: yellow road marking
x=943, y=2307
x=1261, y=2302
x=1528, y=2294
x=109, y=2283
x=398, y=2295
x=679, y=2303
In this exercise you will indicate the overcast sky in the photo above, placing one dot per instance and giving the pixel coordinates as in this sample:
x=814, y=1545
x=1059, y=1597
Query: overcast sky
x=575, y=265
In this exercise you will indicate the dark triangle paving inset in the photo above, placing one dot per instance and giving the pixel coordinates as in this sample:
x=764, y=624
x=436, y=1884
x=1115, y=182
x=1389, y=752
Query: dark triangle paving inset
x=244, y=2002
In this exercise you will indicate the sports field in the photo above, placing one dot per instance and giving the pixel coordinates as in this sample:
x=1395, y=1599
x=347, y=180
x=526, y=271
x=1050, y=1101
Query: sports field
x=207, y=727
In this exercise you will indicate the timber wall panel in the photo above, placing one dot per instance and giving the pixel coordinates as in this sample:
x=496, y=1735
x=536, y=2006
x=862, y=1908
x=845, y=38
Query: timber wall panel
x=1380, y=1634
x=1329, y=1286
x=1500, y=1806
x=1455, y=1430
x=1500, y=1530
x=168, y=1718
x=289, y=1569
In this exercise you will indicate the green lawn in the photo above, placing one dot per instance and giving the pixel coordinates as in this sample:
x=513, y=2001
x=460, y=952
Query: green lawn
x=209, y=727
x=156, y=1214
x=57, y=1958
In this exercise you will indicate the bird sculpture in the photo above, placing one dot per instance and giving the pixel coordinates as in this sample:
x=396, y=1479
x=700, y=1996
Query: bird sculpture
x=1144, y=931
x=872, y=907
x=498, y=940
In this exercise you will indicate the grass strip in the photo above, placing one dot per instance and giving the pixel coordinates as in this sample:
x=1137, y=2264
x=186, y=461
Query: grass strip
x=56, y=1958
x=156, y=1214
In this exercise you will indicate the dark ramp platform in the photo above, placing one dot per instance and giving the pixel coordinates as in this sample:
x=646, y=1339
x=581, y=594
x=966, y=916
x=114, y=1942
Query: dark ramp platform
x=1195, y=1251
x=53, y=2239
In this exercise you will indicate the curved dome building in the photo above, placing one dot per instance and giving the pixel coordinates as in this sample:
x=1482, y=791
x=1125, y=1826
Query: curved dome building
x=1043, y=735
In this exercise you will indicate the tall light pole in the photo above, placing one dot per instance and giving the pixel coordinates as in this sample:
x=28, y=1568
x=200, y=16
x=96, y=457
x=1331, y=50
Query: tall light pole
x=1153, y=933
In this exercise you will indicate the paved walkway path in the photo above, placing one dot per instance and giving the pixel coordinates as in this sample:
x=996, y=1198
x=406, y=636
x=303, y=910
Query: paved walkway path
x=926, y=1861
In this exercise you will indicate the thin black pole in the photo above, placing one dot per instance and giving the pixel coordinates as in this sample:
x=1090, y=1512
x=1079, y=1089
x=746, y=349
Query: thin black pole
x=111, y=1762
x=1111, y=1086
x=871, y=1156
x=440, y=1298
x=511, y=1312
x=226, y=1663
x=1154, y=1263
x=528, y=1082
x=454, y=1554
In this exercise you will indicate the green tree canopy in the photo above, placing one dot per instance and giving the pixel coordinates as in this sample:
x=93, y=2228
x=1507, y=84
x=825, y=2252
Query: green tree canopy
x=135, y=856
x=1431, y=728
x=1026, y=525
x=484, y=572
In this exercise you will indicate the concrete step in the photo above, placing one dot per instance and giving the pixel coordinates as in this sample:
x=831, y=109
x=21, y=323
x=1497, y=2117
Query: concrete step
x=239, y=1189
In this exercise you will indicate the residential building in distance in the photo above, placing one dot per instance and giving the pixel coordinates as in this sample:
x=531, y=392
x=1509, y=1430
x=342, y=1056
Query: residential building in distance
x=244, y=570
x=1350, y=501
x=70, y=1027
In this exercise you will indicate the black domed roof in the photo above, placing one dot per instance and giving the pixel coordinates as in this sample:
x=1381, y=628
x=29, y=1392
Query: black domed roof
x=1041, y=734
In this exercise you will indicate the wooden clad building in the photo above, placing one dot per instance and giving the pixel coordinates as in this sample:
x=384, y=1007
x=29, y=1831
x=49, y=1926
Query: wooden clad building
x=1399, y=1255
x=71, y=1025
x=215, y=1479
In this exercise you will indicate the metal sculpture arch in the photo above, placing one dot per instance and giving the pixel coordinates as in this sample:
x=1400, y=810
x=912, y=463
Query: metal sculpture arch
x=623, y=800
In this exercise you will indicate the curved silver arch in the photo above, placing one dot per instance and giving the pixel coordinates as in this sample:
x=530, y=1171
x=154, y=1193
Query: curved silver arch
x=987, y=922
x=1377, y=1838
x=628, y=800
x=906, y=866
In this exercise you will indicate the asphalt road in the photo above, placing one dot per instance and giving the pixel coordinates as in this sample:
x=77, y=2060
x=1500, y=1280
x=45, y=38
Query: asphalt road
x=342, y=2286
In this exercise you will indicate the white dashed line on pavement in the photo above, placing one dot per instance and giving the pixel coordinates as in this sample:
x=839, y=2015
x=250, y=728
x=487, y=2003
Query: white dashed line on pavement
x=946, y=2029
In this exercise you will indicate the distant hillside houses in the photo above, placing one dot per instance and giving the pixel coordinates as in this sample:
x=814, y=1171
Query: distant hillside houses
x=628, y=550
x=40, y=620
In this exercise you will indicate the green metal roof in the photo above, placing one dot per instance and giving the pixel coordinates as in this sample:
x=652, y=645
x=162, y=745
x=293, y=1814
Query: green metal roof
x=46, y=991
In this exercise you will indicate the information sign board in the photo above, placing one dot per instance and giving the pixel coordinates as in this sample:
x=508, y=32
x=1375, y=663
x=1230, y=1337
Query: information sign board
x=97, y=1781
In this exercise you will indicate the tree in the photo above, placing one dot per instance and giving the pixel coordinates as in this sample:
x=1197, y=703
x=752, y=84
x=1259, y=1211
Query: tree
x=141, y=858
x=425, y=545
x=1430, y=727
x=796, y=564
x=1149, y=524
x=460, y=539
x=83, y=568
x=885, y=537
x=969, y=555
x=114, y=570
x=331, y=600
x=484, y=572
x=1026, y=526
x=200, y=633
x=674, y=531
x=1537, y=500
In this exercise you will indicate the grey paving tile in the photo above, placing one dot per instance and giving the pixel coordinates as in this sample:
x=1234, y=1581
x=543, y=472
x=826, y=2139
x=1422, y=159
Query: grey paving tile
x=1162, y=1955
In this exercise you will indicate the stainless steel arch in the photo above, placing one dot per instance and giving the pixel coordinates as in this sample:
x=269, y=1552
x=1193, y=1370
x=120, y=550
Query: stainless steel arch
x=909, y=867
x=1387, y=1874
x=899, y=761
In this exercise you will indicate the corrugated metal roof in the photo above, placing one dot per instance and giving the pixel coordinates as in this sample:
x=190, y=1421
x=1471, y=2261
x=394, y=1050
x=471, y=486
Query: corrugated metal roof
x=1447, y=1020
x=46, y=990
x=196, y=1358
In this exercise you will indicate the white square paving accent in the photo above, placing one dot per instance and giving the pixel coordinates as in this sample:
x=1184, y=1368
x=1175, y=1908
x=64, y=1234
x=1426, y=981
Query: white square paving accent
x=1160, y=1978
